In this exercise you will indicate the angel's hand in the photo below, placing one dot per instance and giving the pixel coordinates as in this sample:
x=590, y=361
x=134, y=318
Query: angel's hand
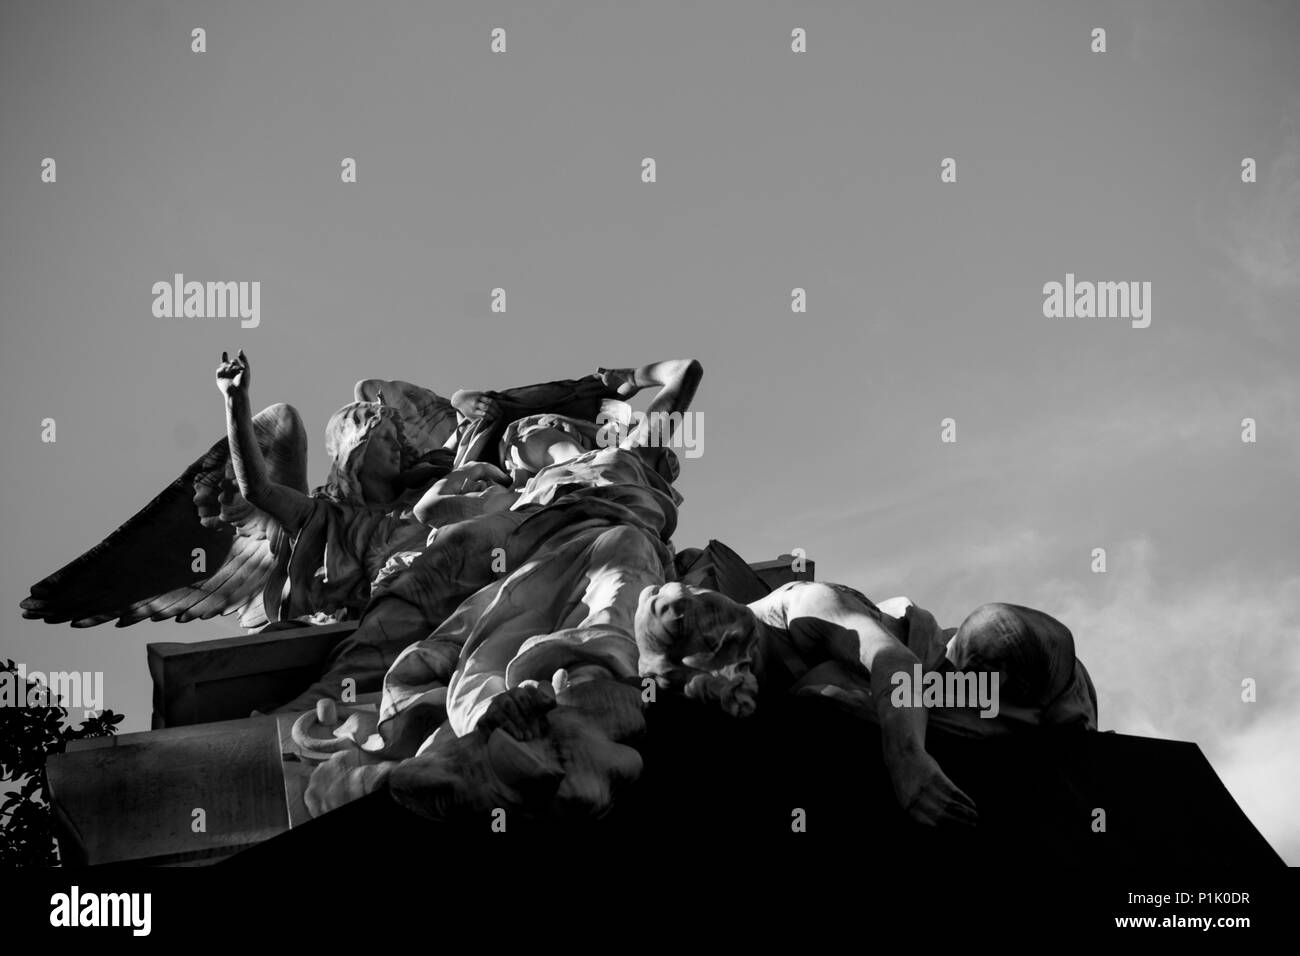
x=475, y=477
x=474, y=404
x=233, y=377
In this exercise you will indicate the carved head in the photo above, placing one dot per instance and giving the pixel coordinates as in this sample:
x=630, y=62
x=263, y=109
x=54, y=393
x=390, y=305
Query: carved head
x=362, y=438
x=700, y=642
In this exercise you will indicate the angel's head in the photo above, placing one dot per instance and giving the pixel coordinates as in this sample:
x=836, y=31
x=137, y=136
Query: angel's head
x=700, y=642
x=365, y=443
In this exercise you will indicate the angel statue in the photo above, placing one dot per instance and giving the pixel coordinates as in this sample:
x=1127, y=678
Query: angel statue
x=477, y=510
x=212, y=543
x=238, y=532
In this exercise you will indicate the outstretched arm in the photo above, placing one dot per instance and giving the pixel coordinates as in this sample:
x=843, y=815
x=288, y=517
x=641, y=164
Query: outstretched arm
x=286, y=505
x=677, y=380
x=849, y=633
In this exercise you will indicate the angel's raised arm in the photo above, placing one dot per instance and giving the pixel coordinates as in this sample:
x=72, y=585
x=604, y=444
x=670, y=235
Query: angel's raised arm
x=290, y=507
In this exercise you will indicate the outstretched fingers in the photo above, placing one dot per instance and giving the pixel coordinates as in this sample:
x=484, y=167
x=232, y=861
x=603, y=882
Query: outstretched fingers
x=943, y=804
x=959, y=809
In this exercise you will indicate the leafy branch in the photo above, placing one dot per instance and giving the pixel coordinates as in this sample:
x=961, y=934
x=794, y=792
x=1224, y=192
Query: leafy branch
x=28, y=735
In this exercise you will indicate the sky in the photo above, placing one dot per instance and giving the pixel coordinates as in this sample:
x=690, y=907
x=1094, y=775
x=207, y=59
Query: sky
x=775, y=170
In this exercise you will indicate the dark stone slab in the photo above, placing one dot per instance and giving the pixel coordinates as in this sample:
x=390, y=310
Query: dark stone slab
x=712, y=782
x=132, y=798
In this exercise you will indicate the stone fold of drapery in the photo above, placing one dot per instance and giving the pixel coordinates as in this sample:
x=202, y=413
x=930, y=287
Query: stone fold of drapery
x=482, y=712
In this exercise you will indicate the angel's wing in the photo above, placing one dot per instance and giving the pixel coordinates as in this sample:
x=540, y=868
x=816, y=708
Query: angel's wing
x=147, y=567
x=428, y=419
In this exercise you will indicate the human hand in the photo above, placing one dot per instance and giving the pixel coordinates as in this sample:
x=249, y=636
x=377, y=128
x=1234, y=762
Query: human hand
x=475, y=477
x=346, y=776
x=520, y=711
x=926, y=793
x=623, y=380
x=474, y=404
x=233, y=377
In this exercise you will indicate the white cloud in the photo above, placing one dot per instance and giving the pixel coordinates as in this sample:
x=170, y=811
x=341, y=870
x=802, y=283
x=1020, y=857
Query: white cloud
x=1263, y=235
x=1256, y=228
x=1260, y=768
x=1169, y=662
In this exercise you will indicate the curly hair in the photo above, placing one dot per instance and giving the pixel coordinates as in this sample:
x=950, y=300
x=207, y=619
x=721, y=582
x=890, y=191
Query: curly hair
x=734, y=688
x=346, y=436
x=726, y=678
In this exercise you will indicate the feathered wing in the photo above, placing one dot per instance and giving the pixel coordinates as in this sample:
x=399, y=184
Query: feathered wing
x=428, y=419
x=145, y=569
